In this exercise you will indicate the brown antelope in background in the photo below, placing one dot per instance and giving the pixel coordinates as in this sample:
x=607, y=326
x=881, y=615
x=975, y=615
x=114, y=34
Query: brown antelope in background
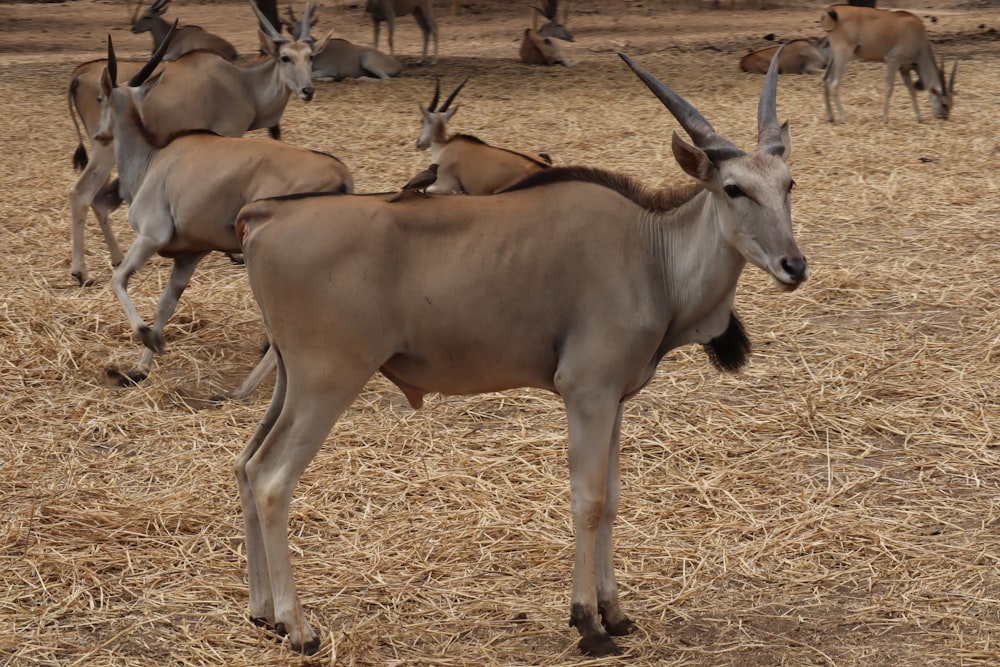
x=896, y=38
x=576, y=280
x=388, y=10
x=800, y=56
x=467, y=164
x=185, y=191
x=340, y=59
x=198, y=91
x=186, y=38
x=537, y=45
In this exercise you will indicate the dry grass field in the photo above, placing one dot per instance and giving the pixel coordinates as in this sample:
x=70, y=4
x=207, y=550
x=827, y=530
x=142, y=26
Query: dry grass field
x=837, y=503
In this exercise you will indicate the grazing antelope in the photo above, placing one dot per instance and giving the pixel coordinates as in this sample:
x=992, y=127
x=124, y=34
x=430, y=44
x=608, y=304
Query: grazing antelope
x=341, y=59
x=186, y=190
x=186, y=38
x=800, y=56
x=198, y=91
x=537, y=45
x=576, y=280
x=388, y=10
x=466, y=164
x=896, y=38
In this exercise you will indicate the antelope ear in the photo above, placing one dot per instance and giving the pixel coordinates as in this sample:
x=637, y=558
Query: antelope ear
x=692, y=160
x=318, y=48
x=786, y=141
x=106, y=85
x=451, y=112
x=147, y=86
x=267, y=45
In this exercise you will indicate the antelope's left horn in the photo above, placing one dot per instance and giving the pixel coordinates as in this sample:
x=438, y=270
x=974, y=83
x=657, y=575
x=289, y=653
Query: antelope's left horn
x=454, y=94
x=306, y=20
x=768, y=129
x=716, y=146
x=437, y=94
x=112, y=63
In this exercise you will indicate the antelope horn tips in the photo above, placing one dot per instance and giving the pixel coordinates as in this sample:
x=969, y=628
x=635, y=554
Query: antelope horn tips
x=304, y=30
x=112, y=63
x=437, y=94
x=454, y=94
x=154, y=60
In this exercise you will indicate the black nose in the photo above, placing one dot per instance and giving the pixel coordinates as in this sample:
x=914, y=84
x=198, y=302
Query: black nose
x=795, y=267
x=307, y=93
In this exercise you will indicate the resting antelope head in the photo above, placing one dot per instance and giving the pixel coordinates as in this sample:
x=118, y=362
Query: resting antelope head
x=434, y=124
x=294, y=57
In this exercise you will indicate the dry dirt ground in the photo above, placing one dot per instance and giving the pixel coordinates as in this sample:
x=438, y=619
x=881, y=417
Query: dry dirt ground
x=834, y=504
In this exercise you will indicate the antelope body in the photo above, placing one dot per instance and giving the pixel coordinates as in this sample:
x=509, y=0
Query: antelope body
x=466, y=164
x=198, y=91
x=800, y=56
x=388, y=10
x=896, y=38
x=576, y=280
x=186, y=38
x=341, y=59
x=185, y=193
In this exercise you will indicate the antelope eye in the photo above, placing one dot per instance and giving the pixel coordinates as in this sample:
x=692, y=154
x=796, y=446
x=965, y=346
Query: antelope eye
x=734, y=191
x=285, y=59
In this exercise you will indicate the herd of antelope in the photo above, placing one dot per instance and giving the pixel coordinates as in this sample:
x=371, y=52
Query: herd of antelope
x=576, y=280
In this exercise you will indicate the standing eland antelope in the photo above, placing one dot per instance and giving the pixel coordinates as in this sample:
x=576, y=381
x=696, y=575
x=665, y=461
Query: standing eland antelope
x=186, y=38
x=467, y=164
x=199, y=91
x=576, y=280
x=800, y=56
x=896, y=38
x=341, y=59
x=185, y=192
x=388, y=10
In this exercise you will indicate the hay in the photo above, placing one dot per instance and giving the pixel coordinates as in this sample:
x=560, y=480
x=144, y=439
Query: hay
x=834, y=504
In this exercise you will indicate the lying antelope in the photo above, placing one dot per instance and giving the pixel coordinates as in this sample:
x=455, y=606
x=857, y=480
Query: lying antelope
x=185, y=193
x=896, y=38
x=388, y=10
x=341, y=59
x=466, y=164
x=800, y=56
x=186, y=38
x=576, y=280
x=198, y=91
x=537, y=45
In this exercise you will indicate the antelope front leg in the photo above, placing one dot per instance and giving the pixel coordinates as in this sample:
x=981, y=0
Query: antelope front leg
x=591, y=425
x=615, y=622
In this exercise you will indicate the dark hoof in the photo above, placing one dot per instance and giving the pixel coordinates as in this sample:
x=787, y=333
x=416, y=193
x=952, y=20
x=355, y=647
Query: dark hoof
x=261, y=623
x=621, y=628
x=152, y=339
x=599, y=646
x=128, y=379
x=236, y=258
x=81, y=282
x=309, y=648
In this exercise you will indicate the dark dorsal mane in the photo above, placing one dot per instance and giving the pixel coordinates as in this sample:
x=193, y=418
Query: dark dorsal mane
x=476, y=140
x=657, y=201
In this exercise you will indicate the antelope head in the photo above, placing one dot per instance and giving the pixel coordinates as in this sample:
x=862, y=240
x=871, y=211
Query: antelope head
x=293, y=56
x=750, y=191
x=144, y=22
x=434, y=123
x=942, y=93
x=115, y=100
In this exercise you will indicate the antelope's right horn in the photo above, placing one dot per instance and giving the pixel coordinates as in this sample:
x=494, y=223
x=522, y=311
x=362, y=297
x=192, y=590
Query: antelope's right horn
x=454, y=93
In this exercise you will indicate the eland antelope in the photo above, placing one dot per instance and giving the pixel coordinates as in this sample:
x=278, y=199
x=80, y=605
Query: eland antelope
x=184, y=192
x=575, y=280
x=800, y=56
x=537, y=45
x=198, y=91
x=388, y=10
x=186, y=38
x=341, y=59
x=896, y=38
x=466, y=164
